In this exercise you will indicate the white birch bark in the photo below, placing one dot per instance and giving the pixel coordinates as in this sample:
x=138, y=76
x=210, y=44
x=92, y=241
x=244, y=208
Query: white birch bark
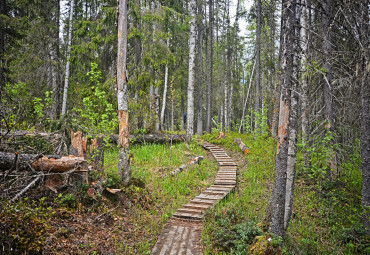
x=164, y=90
x=305, y=110
x=66, y=78
x=190, y=106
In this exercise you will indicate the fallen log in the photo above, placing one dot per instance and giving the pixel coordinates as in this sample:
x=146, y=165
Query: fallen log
x=245, y=149
x=146, y=138
x=41, y=162
x=30, y=142
x=152, y=138
x=184, y=166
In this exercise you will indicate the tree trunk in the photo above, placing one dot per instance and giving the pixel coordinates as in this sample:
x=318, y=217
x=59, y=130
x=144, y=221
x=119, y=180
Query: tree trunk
x=258, y=60
x=365, y=115
x=279, y=189
x=328, y=78
x=210, y=69
x=164, y=90
x=246, y=98
x=54, y=53
x=200, y=68
x=365, y=147
x=69, y=43
x=277, y=90
x=122, y=95
x=293, y=128
x=78, y=146
x=190, y=101
x=2, y=37
x=304, y=81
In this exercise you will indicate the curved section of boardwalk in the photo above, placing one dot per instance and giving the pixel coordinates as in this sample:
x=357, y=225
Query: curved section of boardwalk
x=182, y=233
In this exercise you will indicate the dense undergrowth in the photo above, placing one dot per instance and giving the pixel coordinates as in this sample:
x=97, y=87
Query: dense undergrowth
x=326, y=214
x=77, y=221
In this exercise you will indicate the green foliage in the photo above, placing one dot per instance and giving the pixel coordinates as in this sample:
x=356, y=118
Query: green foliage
x=231, y=233
x=97, y=115
x=24, y=226
x=261, y=120
x=322, y=154
x=41, y=104
x=67, y=200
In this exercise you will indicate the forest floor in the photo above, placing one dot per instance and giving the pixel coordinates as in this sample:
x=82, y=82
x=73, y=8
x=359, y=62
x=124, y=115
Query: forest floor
x=326, y=215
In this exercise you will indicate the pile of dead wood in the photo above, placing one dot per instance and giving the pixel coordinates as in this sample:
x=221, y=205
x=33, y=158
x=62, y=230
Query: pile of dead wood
x=22, y=171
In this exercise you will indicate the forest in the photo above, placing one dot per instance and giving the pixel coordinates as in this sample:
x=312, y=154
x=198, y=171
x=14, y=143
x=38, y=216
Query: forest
x=184, y=127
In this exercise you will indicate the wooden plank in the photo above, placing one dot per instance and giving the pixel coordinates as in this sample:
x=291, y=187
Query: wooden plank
x=227, y=164
x=177, y=241
x=201, y=201
x=184, y=240
x=190, y=216
x=209, y=197
x=169, y=239
x=190, y=210
x=196, y=206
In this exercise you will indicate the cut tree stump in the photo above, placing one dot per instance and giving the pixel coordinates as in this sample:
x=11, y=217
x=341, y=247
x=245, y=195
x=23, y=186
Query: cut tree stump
x=78, y=146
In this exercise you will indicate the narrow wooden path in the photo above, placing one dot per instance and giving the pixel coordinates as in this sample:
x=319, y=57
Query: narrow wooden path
x=182, y=233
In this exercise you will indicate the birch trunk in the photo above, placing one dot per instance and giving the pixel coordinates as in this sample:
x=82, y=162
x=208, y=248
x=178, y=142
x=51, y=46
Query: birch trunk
x=279, y=189
x=293, y=128
x=304, y=54
x=258, y=58
x=164, y=99
x=200, y=69
x=122, y=95
x=54, y=53
x=210, y=69
x=190, y=106
x=66, y=77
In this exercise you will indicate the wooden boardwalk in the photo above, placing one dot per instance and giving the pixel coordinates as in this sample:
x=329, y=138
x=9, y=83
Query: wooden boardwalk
x=182, y=233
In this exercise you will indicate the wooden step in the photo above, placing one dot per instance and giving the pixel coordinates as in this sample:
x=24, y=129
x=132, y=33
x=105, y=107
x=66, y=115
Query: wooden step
x=189, y=210
x=190, y=216
x=196, y=206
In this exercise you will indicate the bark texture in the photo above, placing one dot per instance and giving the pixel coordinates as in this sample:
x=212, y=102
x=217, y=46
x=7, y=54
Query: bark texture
x=365, y=148
x=304, y=81
x=200, y=68
x=210, y=68
x=122, y=95
x=279, y=189
x=293, y=128
x=258, y=61
x=41, y=163
x=192, y=39
x=66, y=77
